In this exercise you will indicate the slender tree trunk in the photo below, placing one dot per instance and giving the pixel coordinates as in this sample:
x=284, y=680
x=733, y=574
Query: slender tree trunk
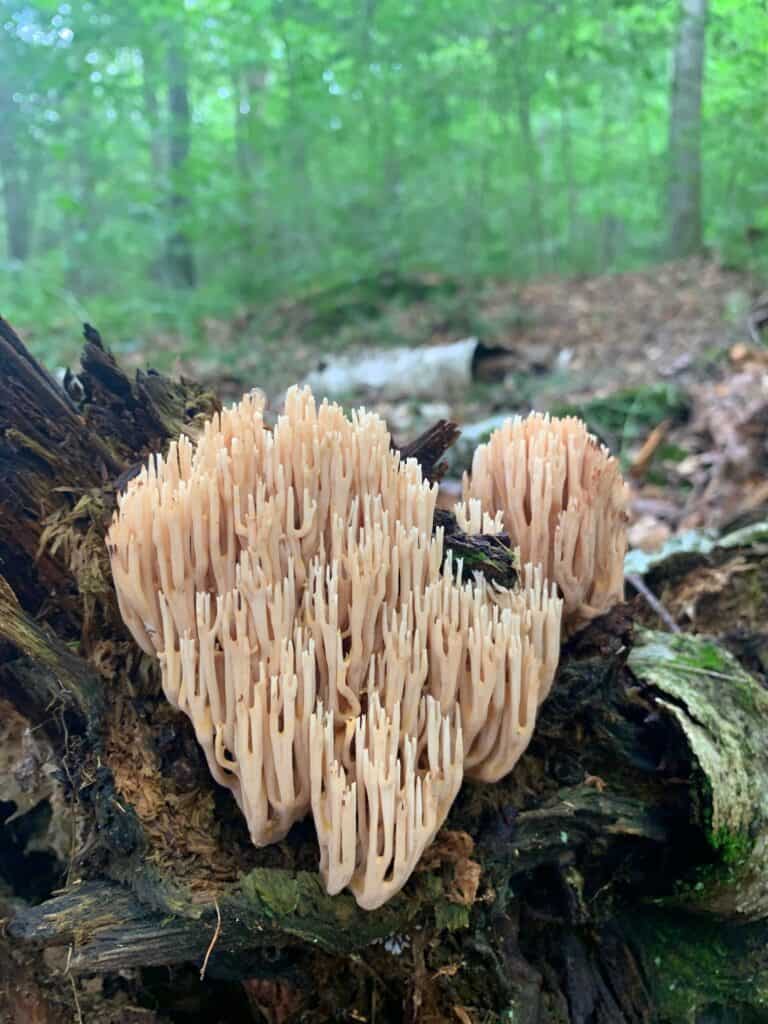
x=152, y=116
x=522, y=80
x=302, y=225
x=606, y=248
x=571, y=251
x=248, y=82
x=158, y=162
x=566, y=150
x=367, y=25
x=180, y=255
x=83, y=272
x=18, y=215
x=18, y=184
x=684, y=152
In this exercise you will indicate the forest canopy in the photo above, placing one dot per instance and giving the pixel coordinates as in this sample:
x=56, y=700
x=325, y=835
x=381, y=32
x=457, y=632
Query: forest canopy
x=161, y=161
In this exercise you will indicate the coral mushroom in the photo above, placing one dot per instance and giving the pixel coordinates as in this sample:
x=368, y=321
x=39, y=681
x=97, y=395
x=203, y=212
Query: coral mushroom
x=328, y=655
x=563, y=502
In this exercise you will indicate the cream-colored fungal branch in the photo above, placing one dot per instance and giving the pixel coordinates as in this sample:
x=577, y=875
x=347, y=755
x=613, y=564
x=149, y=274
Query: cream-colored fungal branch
x=564, y=503
x=400, y=801
x=473, y=520
x=330, y=659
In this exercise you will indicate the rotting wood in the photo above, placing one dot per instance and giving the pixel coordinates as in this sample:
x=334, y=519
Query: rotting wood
x=622, y=820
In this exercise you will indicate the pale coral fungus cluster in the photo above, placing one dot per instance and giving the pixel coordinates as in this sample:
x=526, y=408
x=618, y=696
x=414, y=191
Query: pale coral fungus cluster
x=564, y=504
x=328, y=655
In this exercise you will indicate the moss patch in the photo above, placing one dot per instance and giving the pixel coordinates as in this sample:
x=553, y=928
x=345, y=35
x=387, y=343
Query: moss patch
x=692, y=963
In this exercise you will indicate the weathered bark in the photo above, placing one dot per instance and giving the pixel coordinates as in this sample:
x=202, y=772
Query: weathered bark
x=619, y=875
x=684, y=150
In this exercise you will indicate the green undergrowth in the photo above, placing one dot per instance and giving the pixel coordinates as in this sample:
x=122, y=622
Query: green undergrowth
x=624, y=418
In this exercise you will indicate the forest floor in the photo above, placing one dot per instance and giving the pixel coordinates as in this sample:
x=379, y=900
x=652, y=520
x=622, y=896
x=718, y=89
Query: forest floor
x=564, y=336
x=659, y=363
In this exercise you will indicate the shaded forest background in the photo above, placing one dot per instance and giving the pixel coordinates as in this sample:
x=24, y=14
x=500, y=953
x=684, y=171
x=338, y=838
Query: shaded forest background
x=165, y=162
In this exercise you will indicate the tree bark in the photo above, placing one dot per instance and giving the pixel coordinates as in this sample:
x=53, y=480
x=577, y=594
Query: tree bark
x=618, y=876
x=684, y=150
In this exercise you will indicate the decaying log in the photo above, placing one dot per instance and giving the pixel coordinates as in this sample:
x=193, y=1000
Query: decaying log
x=619, y=875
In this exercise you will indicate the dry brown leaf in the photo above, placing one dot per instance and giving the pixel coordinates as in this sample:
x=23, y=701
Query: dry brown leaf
x=466, y=882
x=648, y=449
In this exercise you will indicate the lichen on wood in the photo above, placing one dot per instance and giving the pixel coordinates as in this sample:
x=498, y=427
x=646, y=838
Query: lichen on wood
x=723, y=713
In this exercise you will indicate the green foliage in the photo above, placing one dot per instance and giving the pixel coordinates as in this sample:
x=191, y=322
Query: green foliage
x=625, y=417
x=281, y=145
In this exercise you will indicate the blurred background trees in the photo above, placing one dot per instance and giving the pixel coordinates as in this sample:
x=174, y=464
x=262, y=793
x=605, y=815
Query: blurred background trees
x=161, y=161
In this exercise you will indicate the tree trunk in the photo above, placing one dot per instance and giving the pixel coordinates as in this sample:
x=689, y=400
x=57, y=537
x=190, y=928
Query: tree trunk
x=158, y=263
x=248, y=84
x=86, y=170
x=529, y=147
x=302, y=222
x=618, y=876
x=684, y=150
x=569, y=181
x=514, y=99
x=18, y=224
x=19, y=181
x=152, y=116
x=180, y=255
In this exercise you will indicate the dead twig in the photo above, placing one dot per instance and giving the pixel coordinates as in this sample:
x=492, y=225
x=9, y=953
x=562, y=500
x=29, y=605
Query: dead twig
x=428, y=448
x=68, y=973
x=653, y=602
x=78, y=1011
x=214, y=940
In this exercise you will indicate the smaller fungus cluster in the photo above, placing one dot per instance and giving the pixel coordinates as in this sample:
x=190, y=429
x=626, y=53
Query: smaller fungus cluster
x=563, y=502
x=327, y=652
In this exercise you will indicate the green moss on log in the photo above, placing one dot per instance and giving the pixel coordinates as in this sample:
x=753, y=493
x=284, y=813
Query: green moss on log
x=693, y=964
x=299, y=906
